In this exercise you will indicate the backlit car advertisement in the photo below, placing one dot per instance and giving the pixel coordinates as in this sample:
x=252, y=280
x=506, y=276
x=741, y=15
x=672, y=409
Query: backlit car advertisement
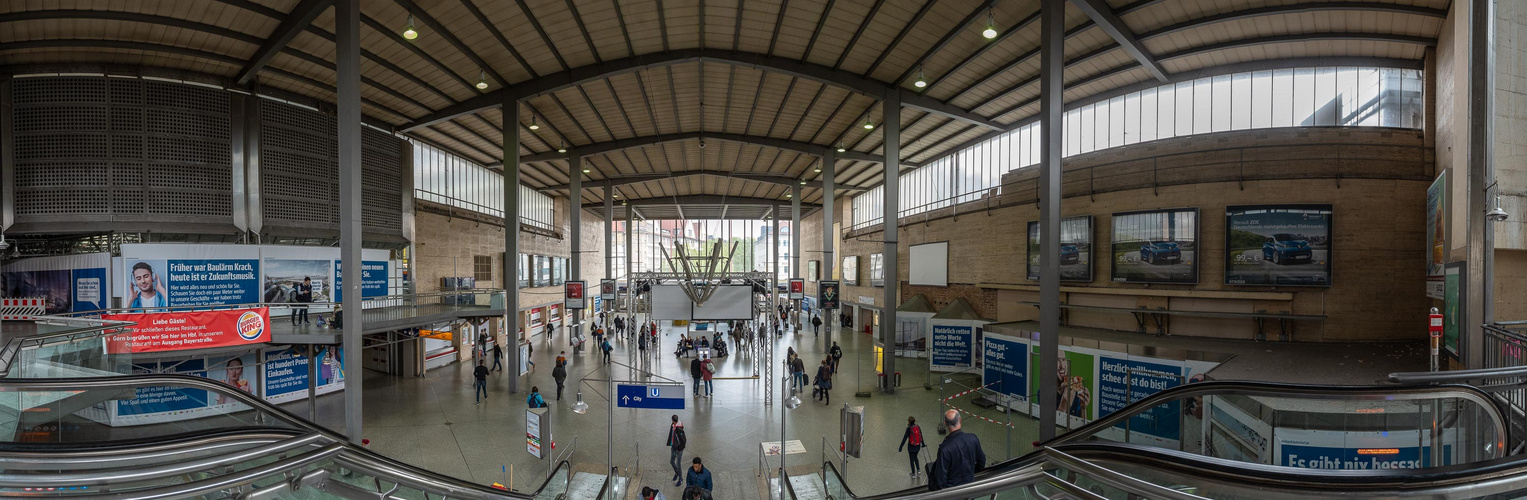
x=1278, y=245
x=190, y=330
x=1156, y=246
x=1075, y=249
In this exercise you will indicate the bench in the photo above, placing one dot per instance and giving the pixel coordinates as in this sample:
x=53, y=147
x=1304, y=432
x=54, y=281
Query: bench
x=1162, y=317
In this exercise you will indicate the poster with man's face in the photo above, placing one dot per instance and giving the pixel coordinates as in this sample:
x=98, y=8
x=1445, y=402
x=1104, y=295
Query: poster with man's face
x=146, y=284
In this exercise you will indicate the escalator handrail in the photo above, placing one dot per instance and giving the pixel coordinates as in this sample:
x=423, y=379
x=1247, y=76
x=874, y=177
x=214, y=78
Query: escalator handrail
x=1233, y=387
x=158, y=471
x=1275, y=389
x=98, y=459
x=362, y=457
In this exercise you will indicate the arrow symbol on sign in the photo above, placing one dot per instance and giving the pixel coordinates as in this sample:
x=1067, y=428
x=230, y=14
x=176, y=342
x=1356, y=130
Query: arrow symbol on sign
x=625, y=400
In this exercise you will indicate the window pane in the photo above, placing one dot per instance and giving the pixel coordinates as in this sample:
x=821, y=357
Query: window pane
x=1240, y=102
x=1220, y=104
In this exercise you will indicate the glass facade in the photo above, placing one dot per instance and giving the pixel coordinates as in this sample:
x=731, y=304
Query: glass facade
x=652, y=237
x=1300, y=97
x=445, y=178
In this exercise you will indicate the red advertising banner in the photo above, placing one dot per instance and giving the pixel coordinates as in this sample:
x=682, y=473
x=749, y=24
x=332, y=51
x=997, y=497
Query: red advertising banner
x=159, y=332
x=797, y=289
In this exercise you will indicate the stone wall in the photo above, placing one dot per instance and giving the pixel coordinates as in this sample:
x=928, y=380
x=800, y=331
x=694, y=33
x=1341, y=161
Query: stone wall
x=1378, y=241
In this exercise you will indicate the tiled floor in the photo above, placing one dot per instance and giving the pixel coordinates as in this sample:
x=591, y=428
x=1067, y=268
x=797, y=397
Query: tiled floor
x=434, y=423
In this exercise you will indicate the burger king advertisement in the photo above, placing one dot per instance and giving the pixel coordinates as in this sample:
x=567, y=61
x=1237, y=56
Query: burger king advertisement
x=162, y=332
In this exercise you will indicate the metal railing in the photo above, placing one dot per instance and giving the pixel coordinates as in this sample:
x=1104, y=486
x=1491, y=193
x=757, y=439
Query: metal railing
x=82, y=329
x=303, y=455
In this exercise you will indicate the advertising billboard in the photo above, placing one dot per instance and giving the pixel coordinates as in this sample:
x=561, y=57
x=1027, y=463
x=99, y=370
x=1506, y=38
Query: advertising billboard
x=1436, y=226
x=1278, y=245
x=1156, y=246
x=797, y=289
x=828, y=295
x=160, y=332
x=953, y=347
x=286, y=278
x=1075, y=249
x=813, y=270
x=153, y=283
x=607, y=290
x=373, y=279
x=850, y=269
x=877, y=269
x=573, y=295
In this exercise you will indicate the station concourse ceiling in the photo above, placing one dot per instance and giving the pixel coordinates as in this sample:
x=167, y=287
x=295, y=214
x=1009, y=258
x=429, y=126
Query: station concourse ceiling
x=719, y=105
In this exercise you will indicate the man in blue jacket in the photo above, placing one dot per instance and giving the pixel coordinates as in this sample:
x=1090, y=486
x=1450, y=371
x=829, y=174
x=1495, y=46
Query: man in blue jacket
x=698, y=476
x=959, y=456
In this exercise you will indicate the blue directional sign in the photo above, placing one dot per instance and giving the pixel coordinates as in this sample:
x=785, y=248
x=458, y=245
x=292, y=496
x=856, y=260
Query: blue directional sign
x=658, y=397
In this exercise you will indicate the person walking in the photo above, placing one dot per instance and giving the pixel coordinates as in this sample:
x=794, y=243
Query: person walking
x=676, y=442
x=530, y=352
x=562, y=358
x=534, y=400
x=606, y=347
x=698, y=476
x=641, y=345
x=696, y=372
x=708, y=372
x=824, y=382
x=559, y=374
x=798, y=368
x=912, y=440
x=836, y=355
x=696, y=493
x=816, y=325
x=498, y=358
x=480, y=392
x=650, y=493
x=959, y=456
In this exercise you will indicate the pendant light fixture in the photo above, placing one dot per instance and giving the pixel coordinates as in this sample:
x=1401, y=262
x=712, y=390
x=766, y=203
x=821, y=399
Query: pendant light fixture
x=991, y=25
x=408, y=30
x=482, y=80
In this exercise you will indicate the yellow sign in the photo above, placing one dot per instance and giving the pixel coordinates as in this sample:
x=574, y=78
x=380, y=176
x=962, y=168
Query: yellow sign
x=879, y=361
x=436, y=334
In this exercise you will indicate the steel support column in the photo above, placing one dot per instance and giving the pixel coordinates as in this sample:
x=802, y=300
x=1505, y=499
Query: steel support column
x=347, y=41
x=829, y=160
x=891, y=113
x=795, y=242
x=511, y=272
x=1481, y=119
x=609, y=235
x=575, y=231
x=1051, y=106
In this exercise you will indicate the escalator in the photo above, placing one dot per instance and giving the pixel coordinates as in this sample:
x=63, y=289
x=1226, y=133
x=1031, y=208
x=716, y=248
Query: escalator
x=246, y=449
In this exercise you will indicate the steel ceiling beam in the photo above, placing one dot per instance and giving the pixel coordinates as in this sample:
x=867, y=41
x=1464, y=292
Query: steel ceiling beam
x=638, y=179
x=774, y=64
x=1102, y=14
x=702, y=199
x=295, y=22
x=633, y=142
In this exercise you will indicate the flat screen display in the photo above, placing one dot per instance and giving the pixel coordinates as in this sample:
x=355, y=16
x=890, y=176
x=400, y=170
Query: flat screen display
x=1278, y=245
x=1075, y=249
x=1156, y=246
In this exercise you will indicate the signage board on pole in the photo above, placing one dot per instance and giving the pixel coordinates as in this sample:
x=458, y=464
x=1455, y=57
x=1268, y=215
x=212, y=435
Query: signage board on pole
x=797, y=288
x=659, y=397
x=607, y=289
x=537, y=431
x=574, y=296
x=827, y=295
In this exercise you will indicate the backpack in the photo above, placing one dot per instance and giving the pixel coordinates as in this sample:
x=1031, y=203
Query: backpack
x=535, y=400
x=917, y=436
x=678, y=439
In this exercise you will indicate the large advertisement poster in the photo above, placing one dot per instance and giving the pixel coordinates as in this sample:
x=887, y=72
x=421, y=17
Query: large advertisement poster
x=373, y=279
x=167, y=404
x=797, y=289
x=1005, y=367
x=828, y=295
x=1436, y=226
x=190, y=330
x=1278, y=245
x=1358, y=450
x=284, y=278
x=1075, y=249
x=286, y=373
x=813, y=270
x=1453, y=297
x=953, y=347
x=877, y=270
x=66, y=283
x=1077, y=383
x=153, y=283
x=1158, y=246
x=850, y=269
x=55, y=287
x=573, y=296
x=607, y=290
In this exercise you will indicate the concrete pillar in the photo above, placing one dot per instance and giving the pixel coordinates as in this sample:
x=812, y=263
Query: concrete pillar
x=511, y=272
x=891, y=113
x=1480, y=293
x=347, y=48
x=575, y=232
x=1051, y=104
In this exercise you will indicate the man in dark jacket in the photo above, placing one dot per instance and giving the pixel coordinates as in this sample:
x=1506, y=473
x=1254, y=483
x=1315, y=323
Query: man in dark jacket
x=959, y=456
x=696, y=372
x=816, y=325
x=698, y=476
x=834, y=355
x=498, y=358
x=480, y=392
x=560, y=375
x=676, y=443
x=304, y=295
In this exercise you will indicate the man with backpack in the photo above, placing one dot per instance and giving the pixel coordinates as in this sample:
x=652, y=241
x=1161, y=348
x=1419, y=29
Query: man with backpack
x=535, y=400
x=696, y=372
x=816, y=324
x=676, y=442
x=708, y=372
x=836, y=354
x=913, y=441
x=606, y=347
